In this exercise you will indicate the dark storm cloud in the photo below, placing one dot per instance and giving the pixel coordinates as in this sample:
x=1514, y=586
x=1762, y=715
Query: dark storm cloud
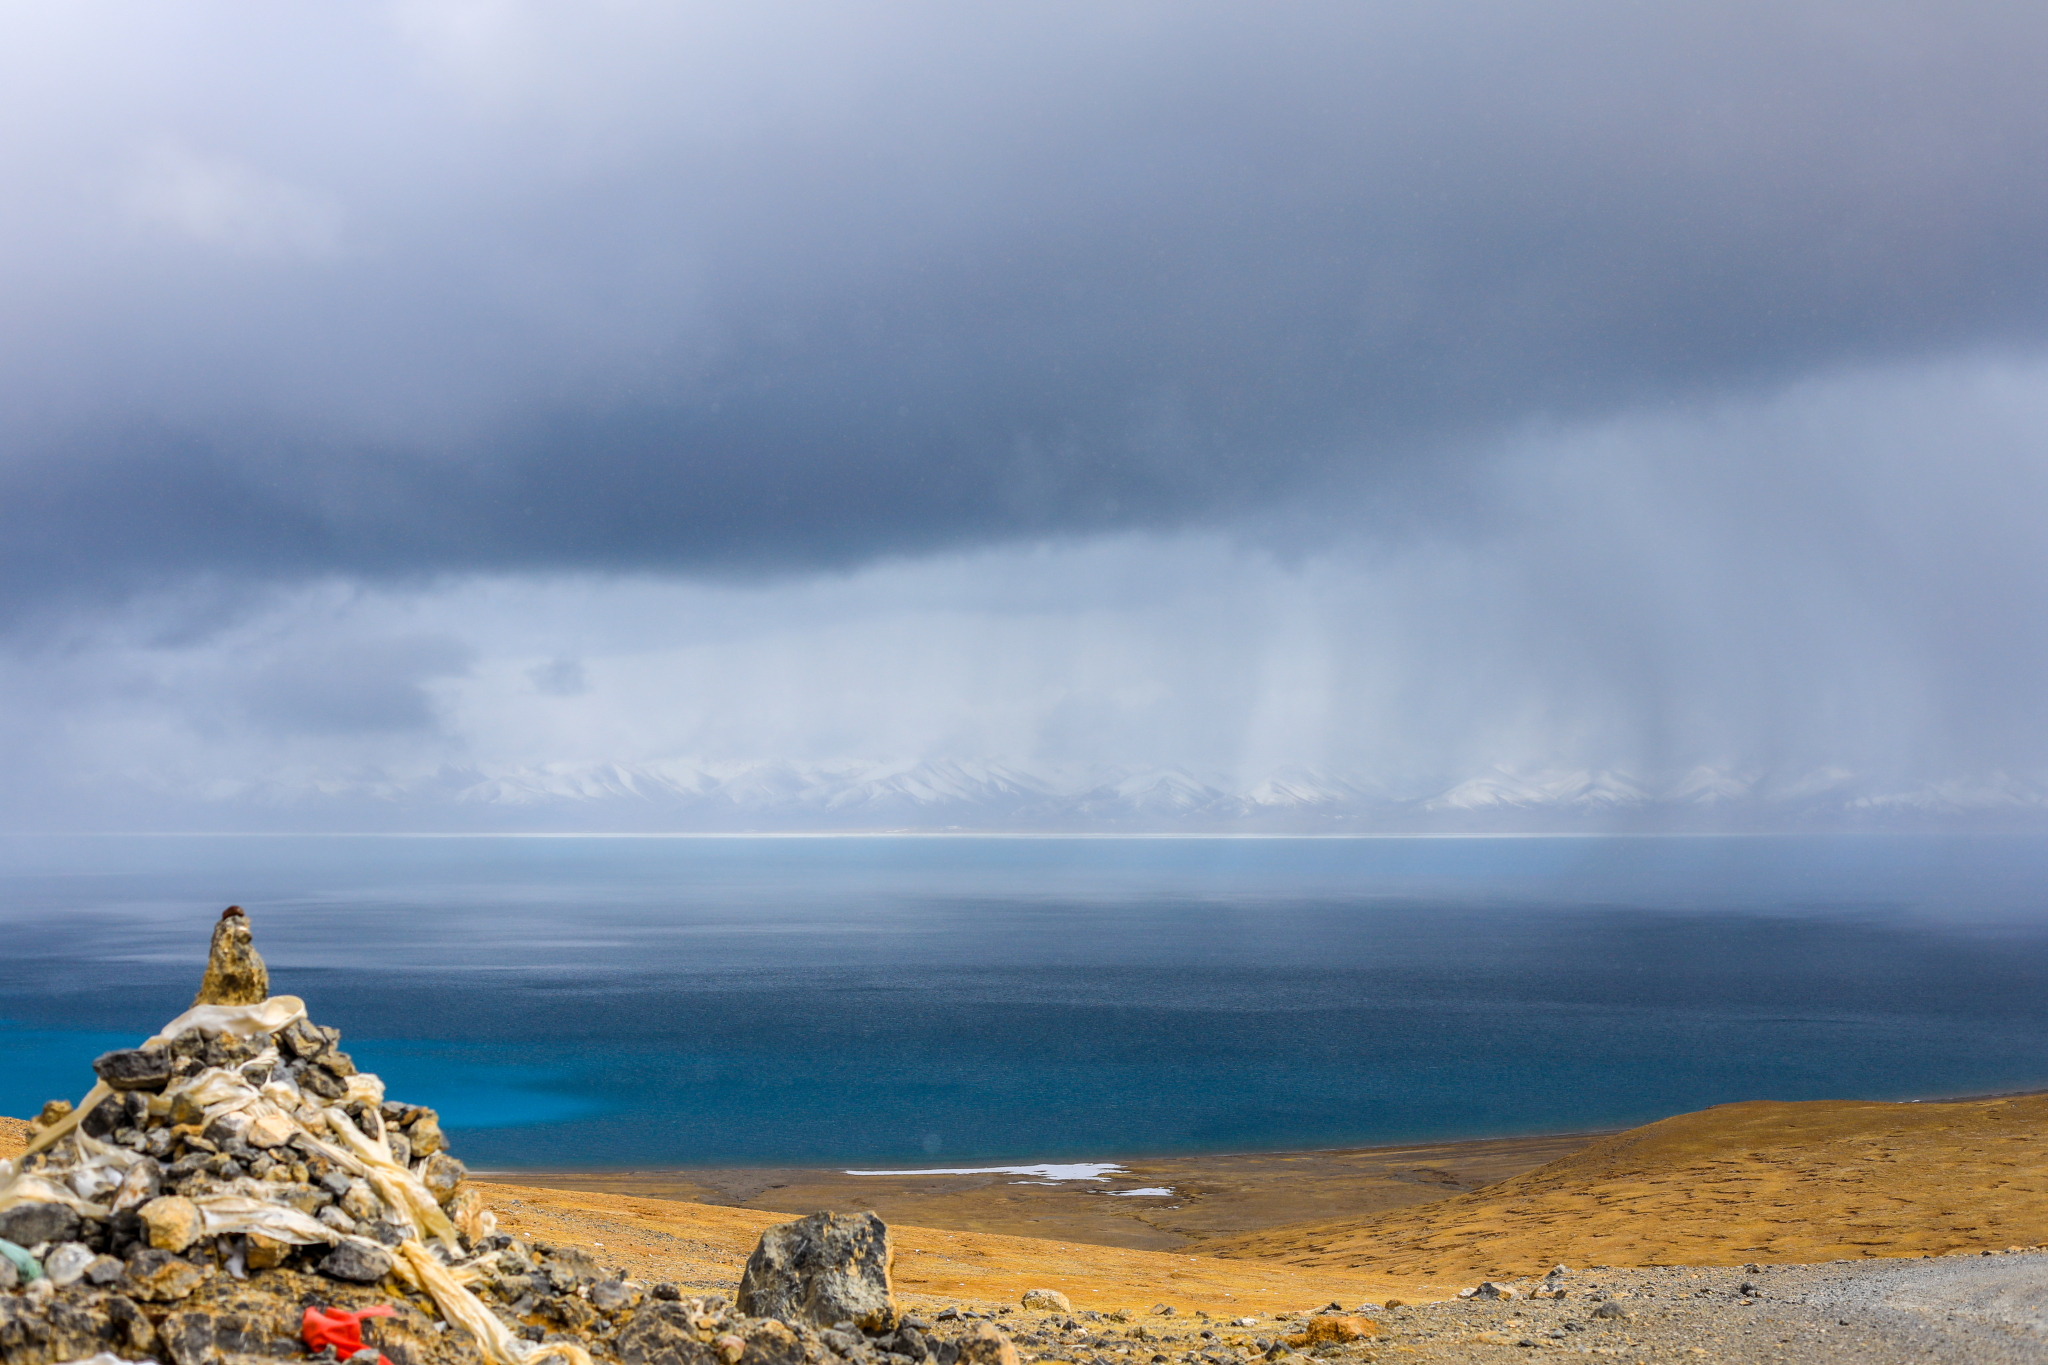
x=428, y=290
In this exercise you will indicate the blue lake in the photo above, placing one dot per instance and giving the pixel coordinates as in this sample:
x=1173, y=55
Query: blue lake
x=619, y=1002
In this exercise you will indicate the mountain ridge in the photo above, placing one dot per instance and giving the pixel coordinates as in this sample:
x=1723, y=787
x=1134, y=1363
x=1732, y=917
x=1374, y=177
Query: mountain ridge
x=996, y=797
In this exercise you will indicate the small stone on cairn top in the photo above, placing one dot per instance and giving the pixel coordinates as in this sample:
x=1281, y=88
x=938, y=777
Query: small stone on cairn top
x=235, y=975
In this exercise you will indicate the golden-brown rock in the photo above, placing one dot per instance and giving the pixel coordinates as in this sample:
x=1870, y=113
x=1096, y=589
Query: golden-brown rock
x=235, y=974
x=1334, y=1327
x=171, y=1222
x=266, y=1253
x=986, y=1345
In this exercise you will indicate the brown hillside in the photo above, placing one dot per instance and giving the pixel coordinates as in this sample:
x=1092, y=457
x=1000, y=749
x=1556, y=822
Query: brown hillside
x=703, y=1247
x=1760, y=1181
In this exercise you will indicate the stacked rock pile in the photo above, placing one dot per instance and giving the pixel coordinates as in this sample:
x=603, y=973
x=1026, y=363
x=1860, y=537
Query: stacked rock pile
x=237, y=1171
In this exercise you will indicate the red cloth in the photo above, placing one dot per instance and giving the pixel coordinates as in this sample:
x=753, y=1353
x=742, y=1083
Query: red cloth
x=341, y=1328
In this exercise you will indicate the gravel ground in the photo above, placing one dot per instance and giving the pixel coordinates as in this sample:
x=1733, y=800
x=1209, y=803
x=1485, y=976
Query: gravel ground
x=1991, y=1309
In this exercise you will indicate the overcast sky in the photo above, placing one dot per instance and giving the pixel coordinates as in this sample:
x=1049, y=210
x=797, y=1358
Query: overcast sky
x=1403, y=391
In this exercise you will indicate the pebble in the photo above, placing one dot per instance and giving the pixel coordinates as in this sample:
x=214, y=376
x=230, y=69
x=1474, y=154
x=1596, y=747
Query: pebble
x=66, y=1263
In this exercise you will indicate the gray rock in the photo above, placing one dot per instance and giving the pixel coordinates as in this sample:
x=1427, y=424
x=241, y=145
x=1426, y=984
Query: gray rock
x=104, y=1270
x=104, y=1117
x=227, y=1129
x=134, y=1068
x=1610, y=1309
x=301, y=1039
x=361, y=1203
x=442, y=1175
x=318, y=1080
x=569, y=1267
x=660, y=1334
x=27, y=1224
x=390, y=1234
x=824, y=1269
x=357, y=1261
x=612, y=1297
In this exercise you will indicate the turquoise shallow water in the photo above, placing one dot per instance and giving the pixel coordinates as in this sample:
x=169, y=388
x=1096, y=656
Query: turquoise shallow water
x=876, y=1001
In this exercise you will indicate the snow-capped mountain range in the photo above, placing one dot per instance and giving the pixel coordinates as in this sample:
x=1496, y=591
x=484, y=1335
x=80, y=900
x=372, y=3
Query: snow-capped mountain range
x=683, y=795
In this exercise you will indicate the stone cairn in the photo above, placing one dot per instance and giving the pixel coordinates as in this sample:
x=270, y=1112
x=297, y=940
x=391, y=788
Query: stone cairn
x=237, y=1170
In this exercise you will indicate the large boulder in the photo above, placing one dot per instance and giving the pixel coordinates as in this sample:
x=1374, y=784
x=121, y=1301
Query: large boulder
x=822, y=1270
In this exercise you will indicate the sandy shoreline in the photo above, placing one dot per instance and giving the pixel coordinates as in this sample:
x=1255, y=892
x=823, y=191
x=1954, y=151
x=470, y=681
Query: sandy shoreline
x=1212, y=1195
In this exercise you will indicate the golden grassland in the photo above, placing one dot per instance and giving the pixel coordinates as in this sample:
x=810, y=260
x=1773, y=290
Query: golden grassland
x=1809, y=1182
x=704, y=1246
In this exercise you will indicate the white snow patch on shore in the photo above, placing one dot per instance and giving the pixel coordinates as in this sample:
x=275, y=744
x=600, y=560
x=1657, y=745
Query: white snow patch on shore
x=1082, y=1171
